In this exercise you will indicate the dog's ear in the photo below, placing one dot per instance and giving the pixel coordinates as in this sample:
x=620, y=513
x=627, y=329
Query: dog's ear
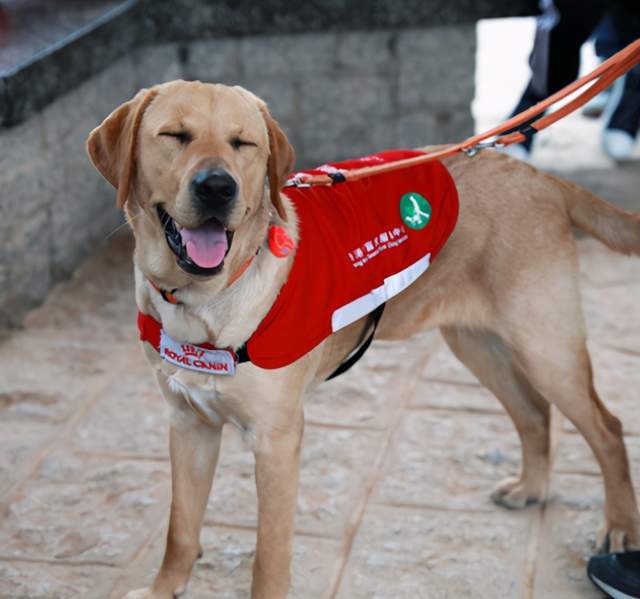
x=281, y=159
x=112, y=145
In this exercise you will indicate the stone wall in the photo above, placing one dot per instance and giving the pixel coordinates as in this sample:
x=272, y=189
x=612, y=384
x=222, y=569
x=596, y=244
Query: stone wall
x=337, y=95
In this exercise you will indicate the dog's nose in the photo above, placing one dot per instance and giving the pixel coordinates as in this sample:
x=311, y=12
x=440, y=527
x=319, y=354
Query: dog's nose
x=214, y=187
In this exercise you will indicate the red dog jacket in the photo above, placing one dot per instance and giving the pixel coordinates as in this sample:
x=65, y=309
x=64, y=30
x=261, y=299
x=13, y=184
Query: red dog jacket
x=361, y=242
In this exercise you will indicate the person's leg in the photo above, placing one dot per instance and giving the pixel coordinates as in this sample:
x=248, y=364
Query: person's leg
x=605, y=38
x=623, y=117
x=623, y=111
x=561, y=31
x=606, y=44
x=555, y=59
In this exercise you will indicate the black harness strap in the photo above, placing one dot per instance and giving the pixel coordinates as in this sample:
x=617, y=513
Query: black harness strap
x=358, y=352
x=351, y=359
x=243, y=354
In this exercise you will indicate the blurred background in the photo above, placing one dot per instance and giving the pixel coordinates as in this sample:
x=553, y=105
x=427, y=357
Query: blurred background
x=391, y=495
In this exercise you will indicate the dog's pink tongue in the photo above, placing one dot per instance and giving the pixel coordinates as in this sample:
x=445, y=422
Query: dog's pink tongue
x=206, y=245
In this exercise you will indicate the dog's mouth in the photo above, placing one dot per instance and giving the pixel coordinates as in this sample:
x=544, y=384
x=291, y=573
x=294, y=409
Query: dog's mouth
x=200, y=250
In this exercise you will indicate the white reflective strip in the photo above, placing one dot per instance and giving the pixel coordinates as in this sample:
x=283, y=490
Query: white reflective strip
x=366, y=304
x=401, y=280
x=357, y=308
x=194, y=357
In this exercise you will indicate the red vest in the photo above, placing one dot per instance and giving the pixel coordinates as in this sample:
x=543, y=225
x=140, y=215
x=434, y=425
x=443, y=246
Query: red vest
x=355, y=251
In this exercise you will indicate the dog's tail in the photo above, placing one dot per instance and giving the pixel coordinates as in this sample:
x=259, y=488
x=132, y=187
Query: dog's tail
x=616, y=228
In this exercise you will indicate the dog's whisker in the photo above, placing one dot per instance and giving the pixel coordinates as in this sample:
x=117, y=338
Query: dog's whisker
x=115, y=230
x=124, y=224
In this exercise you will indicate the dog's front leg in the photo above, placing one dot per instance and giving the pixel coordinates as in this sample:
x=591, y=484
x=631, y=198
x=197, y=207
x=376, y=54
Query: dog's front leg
x=194, y=448
x=277, y=455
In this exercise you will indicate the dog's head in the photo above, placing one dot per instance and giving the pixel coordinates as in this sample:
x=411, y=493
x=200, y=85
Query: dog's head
x=190, y=161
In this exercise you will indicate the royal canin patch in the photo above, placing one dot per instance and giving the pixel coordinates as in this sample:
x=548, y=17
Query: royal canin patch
x=200, y=358
x=194, y=357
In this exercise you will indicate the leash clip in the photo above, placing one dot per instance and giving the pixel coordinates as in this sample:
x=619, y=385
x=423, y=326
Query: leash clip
x=473, y=150
x=296, y=181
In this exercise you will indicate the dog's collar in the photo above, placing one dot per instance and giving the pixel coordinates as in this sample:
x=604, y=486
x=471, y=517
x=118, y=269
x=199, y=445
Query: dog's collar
x=167, y=296
x=170, y=297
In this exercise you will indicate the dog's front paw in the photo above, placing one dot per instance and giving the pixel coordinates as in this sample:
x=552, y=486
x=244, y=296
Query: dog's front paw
x=514, y=494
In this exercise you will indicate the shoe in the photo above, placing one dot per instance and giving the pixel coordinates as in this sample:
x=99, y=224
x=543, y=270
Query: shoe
x=616, y=574
x=622, y=116
x=618, y=144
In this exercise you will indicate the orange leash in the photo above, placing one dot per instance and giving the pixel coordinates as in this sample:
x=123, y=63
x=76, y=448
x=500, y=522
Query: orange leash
x=603, y=76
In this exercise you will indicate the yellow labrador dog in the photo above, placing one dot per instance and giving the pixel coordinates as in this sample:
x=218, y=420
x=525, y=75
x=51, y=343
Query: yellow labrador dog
x=504, y=292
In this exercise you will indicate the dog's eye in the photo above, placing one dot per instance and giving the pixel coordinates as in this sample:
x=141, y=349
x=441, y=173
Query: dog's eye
x=182, y=136
x=237, y=143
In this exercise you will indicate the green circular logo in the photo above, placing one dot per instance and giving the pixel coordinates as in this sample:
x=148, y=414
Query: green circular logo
x=415, y=210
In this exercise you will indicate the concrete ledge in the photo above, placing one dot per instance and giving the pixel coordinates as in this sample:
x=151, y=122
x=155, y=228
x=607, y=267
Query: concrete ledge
x=28, y=83
x=34, y=81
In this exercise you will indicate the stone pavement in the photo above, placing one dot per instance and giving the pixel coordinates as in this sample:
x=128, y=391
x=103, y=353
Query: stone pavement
x=399, y=458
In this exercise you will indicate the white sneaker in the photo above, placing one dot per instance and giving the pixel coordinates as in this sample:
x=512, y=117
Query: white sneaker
x=618, y=144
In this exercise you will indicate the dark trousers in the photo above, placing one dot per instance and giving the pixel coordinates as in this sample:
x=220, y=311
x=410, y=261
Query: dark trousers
x=561, y=30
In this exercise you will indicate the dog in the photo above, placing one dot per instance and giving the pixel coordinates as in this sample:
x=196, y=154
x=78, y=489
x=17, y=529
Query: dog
x=209, y=160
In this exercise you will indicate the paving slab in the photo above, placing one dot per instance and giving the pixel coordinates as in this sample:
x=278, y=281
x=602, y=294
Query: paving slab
x=398, y=554
x=42, y=580
x=612, y=315
x=448, y=395
x=603, y=268
x=571, y=520
x=335, y=468
x=448, y=460
x=378, y=369
x=444, y=367
x=224, y=571
x=78, y=509
x=130, y=419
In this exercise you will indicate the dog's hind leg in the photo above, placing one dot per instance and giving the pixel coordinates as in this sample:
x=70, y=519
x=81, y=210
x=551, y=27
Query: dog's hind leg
x=561, y=369
x=544, y=327
x=491, y=361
